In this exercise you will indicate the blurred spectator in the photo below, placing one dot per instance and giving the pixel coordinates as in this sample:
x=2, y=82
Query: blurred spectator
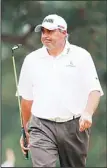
x=10, y=158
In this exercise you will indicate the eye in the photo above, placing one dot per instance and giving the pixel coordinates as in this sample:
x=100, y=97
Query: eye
x=50, y=31
x=46, y=31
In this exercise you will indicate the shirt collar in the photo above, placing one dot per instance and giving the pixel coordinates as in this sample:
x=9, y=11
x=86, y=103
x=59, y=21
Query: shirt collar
x=66, y=48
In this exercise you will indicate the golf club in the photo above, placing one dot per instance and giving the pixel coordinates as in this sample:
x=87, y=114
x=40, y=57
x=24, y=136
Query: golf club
x=18, y=97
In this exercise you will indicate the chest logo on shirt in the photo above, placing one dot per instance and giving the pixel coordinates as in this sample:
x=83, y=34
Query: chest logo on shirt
x=70, y=64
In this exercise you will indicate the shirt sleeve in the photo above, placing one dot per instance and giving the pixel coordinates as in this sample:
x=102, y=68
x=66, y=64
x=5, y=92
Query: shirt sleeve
x=25, y=83
x=90, y=75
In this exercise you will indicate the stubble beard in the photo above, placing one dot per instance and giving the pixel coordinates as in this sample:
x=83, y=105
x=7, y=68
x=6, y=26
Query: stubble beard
x=51, y=47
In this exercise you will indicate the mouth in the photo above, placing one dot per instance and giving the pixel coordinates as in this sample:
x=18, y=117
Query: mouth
x=47, y=41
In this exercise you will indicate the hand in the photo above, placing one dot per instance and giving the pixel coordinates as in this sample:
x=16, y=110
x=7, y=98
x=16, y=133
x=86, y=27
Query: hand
x=24, y=149
x=85, y=121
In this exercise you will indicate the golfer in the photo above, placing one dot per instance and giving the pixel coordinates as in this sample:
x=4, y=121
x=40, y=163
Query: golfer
x=60, y=92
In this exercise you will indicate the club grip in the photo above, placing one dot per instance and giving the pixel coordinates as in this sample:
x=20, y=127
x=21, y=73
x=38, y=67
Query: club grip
x=25, y=142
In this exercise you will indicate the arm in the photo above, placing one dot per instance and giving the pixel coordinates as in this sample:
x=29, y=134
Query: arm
x=94, y=92
x=91, y=106
x=93, y=101
x=26, y=111
x=26, y=92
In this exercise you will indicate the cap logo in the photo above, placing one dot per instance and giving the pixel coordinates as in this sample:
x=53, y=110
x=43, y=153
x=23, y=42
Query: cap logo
x=48, y=20
x=61, y=26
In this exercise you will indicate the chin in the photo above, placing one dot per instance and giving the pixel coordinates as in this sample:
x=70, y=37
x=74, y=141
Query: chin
x=48, y=47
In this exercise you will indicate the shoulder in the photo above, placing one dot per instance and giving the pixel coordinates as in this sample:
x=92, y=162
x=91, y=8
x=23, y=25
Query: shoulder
x=79, y=52
x=78, y=49
x=34, y=55
x=32, y=58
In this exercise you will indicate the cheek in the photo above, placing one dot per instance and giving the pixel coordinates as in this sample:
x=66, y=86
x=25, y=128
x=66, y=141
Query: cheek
x=58, y=39
x=55, y=38
x=42, y=38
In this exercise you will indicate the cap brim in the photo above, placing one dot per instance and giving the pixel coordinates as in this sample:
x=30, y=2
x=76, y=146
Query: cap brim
x=47, y=26
x=38, y=28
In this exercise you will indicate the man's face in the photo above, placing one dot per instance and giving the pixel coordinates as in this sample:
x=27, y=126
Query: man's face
x=52, y=38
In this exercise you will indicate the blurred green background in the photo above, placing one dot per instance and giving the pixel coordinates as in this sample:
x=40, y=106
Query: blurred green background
x=86, y=27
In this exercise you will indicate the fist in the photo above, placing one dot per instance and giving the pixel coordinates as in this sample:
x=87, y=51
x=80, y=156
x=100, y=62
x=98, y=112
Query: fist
x=85, y=121
x=23, y=148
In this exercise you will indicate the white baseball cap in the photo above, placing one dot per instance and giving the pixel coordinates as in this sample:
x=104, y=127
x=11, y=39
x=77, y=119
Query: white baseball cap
x=52, y=22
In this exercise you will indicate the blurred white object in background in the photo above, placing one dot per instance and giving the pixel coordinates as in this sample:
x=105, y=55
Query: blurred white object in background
x=10, y=158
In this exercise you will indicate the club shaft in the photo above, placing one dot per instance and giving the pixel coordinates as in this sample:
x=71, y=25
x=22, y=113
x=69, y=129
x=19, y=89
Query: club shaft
x=16, y=82
x=19, y=104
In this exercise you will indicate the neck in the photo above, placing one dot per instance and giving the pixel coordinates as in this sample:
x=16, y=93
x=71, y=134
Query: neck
x=56, y=51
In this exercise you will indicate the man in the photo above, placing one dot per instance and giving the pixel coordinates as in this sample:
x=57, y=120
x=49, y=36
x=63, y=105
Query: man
x=60, y=92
